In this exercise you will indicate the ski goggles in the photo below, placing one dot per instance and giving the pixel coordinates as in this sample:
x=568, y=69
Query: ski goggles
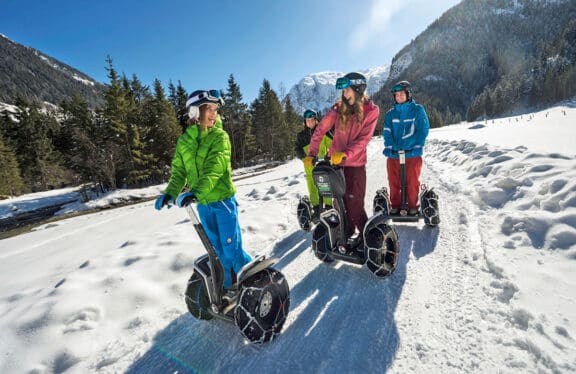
x=398, y=87
x=344, y=82
x=309, y=113
x=212, y=96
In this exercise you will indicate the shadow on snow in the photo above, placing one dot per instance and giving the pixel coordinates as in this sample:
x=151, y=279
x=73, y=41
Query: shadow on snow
x=341, y=320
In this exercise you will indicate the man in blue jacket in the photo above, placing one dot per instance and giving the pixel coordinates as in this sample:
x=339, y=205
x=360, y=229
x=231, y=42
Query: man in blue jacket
x=405, y=128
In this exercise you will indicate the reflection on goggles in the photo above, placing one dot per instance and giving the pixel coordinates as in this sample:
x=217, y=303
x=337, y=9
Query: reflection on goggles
x=310, y=114
x=344, y=82
x=211, y=95
x=397, y=88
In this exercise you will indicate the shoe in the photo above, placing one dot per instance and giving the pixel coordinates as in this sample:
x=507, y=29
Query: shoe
x=353, y=241
x=413, y=212
x=394, y=211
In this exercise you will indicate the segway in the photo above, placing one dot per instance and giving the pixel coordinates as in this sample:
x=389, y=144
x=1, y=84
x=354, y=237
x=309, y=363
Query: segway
x=428, y=211
x=377, y=246
x=258, y=302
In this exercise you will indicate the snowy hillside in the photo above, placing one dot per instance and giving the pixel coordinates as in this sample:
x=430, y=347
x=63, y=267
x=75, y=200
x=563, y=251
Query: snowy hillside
x=36, y=75
x=490, y=290
x=317, y=90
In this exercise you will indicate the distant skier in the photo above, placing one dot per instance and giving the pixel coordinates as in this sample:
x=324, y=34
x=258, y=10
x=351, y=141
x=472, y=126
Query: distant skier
x=405, y=128
x=303, y=138
x=353, y=119
x=202, y=160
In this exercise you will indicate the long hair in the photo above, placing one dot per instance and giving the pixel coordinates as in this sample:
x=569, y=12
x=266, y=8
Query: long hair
x=202, y=118
x=346, y=111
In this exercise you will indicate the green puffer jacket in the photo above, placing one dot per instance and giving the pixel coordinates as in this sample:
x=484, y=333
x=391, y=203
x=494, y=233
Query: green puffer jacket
x=202, y=160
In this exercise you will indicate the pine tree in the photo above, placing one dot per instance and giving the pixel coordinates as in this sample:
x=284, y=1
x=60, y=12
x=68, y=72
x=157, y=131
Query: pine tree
x=163, y=131
x=76, y=120
x=32, y=139
x=293, y=123
x=177, y=97
x=269, y=124
x=122, y=115
x=11, y=183
x=237, y=123
x=114, y=120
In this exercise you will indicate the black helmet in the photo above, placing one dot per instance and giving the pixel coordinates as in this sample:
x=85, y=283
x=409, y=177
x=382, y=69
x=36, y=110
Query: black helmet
x=355, y=80
x=309, y=113
x=403, y=86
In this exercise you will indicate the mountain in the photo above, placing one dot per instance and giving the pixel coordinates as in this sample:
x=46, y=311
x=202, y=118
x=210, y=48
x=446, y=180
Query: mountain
x=29, y=72
x=317, y=90
x=491, y=57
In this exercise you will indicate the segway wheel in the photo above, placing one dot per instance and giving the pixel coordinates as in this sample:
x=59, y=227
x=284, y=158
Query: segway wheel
x=382, y=248
x=429, y=208
x=262, y=306
x=381, y=202
x=321, y=243
x=304, y=213
x=197, y=299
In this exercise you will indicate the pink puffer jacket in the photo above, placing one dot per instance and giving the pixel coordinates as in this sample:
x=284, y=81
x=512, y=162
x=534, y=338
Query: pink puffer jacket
x=352, y=140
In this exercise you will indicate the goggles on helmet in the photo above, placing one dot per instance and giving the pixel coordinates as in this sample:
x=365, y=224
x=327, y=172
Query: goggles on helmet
x=309, y=113
x=399, y=87
x=210, y=96
x=344, y=82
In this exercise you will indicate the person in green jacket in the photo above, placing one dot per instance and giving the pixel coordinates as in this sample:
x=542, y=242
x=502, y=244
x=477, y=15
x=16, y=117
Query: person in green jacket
x=202, y=161
x=311, y=119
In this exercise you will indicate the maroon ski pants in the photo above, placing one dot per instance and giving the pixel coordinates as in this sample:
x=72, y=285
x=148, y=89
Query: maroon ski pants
x=355, y=177
x=413, y=169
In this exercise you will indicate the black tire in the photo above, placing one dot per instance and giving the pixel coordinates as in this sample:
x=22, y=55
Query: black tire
x=430, y=209
x=197, y=299
x=262, y=306
x=381, y=202
x=304, y=213
x=321, y=243
x=381, y=250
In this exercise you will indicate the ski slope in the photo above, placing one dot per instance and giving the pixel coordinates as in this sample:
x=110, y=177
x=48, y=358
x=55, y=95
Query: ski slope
x=490, y=290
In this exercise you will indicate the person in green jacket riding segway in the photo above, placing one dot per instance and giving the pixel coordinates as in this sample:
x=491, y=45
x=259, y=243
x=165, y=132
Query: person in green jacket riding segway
x=202, y=161
x=308, y=207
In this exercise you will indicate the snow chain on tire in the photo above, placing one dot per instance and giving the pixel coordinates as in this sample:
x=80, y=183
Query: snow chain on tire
x=321, y=243
x=197, y=299
x=382, y=250
x=381, y=202
x=304, y=213
x=429, y=208
x=262, y=306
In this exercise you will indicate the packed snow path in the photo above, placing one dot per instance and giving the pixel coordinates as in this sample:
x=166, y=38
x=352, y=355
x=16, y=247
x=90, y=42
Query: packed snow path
x=489, y=290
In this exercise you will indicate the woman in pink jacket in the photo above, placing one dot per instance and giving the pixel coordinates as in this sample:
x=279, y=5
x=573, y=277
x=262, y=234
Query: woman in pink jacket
x=354, y=119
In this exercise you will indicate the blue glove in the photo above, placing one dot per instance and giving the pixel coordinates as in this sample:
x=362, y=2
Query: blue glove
x=388, y=152
x=163, y=200
x=185, y=198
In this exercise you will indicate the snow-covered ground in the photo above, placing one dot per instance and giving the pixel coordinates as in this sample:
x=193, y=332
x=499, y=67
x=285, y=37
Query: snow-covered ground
x=492, y=289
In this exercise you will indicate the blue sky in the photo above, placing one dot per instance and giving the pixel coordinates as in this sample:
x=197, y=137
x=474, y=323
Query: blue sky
x=201, y=43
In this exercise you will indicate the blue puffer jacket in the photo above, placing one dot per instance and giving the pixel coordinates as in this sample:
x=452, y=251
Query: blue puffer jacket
x=405, y=128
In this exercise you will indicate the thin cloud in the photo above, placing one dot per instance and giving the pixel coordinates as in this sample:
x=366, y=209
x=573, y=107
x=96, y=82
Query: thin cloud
x=370, y=31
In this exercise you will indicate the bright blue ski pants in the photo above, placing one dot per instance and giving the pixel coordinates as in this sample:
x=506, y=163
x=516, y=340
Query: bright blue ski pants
x=220, y=221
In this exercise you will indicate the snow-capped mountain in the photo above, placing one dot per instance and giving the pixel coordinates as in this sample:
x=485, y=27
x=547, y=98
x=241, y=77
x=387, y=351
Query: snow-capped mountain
x=317, y=90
